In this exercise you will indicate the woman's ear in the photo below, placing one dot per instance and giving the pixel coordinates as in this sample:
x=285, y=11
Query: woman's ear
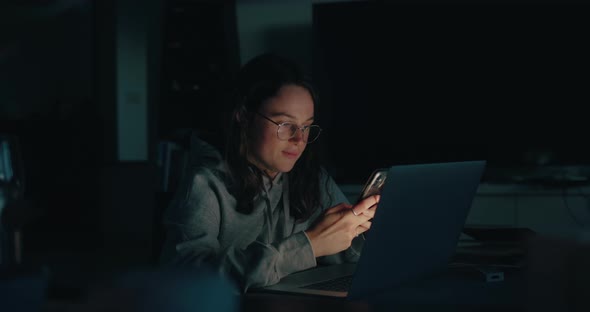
x=240, y=114
x=237, y=116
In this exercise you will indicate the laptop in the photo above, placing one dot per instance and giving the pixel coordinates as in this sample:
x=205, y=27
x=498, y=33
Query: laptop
x=414, y=233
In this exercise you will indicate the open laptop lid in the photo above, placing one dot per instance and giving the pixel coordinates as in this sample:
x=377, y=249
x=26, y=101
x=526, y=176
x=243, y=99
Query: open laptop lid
x=421, y=214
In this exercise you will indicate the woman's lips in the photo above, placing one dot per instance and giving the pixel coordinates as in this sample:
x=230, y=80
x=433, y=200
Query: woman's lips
x=292, y=155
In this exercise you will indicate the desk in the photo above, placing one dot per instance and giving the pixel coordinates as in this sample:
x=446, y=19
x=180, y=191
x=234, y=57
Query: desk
x=557, y=279
x=442, y=292
x=260, y=302
x=293, y=303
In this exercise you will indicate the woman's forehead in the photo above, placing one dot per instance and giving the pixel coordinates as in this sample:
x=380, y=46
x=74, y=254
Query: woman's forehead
x=290, y=100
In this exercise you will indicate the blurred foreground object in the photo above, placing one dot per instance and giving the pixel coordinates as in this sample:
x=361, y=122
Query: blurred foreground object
x=11, y=196
x=179, y=290
x=559, y=274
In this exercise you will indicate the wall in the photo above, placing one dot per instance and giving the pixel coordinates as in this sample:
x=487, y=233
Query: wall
x=46, y=67
x=278, y=26
x=137, y=40
x=77, y=86
x=561, y=211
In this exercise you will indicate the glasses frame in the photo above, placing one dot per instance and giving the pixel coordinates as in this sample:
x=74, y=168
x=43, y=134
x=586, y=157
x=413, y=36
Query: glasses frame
x=302, y=129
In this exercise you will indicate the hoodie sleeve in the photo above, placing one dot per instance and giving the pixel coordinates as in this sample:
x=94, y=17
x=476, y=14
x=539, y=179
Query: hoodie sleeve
x=332, y=196
x=193, y=238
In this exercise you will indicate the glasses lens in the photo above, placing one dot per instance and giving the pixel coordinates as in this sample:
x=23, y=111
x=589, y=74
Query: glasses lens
x=286, y=131
x=313, y=132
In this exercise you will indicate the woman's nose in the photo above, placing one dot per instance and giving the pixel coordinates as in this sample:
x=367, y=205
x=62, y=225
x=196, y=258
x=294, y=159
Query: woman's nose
x=299, y=135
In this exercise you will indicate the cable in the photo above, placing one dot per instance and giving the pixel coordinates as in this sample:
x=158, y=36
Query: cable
x=569, y=210
x=586, y=197
x=516, y=210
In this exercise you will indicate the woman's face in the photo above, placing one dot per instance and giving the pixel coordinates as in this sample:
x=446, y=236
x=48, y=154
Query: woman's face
x=292, y=104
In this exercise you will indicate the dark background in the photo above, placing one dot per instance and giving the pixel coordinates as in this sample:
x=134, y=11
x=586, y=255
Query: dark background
x=406, y=83
x=74, y=94
x=398, y=84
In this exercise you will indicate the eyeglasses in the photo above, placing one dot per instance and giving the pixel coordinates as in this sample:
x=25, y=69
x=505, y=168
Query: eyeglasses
x=287, y=130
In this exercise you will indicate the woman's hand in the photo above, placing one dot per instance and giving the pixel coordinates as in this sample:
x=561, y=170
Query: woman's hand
x=340, y=224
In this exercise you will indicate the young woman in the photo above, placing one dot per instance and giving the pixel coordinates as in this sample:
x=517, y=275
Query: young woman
x=266, y=208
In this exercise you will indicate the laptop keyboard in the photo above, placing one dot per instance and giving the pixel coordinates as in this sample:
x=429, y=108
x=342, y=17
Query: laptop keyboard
x=339, y=284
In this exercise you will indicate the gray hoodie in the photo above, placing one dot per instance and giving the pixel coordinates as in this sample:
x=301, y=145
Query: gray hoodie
x=203, y=226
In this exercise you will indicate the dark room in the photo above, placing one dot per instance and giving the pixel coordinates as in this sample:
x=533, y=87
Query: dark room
x=229, y=155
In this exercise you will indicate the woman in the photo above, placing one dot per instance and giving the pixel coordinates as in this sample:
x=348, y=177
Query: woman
x=267, y=209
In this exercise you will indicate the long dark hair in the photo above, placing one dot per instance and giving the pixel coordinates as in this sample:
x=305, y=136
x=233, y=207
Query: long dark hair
x=259, y=80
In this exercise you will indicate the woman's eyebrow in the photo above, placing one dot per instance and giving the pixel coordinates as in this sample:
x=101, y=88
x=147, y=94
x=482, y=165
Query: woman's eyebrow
x=288, y=115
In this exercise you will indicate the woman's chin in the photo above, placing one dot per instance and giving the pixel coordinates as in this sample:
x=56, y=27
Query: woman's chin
x=286, y=168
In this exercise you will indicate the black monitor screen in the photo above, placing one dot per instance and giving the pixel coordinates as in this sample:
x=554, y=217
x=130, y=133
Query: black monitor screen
x=411, y=83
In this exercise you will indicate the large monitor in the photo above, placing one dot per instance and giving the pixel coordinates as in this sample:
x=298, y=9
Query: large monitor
x=410, y=83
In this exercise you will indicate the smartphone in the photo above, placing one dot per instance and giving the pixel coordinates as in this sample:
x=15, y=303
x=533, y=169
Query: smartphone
x=374, y=184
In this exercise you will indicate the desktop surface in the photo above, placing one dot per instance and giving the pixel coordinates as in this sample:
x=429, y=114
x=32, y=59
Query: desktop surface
x=452, y=290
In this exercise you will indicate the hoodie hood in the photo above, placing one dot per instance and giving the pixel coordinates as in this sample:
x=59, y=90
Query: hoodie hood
x=203, y=154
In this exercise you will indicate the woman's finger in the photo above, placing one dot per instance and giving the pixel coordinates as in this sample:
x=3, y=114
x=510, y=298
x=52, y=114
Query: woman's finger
x=366, y=225
x=363, y=227
x=365, y=204
x=338, y=208
x=370, y=213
